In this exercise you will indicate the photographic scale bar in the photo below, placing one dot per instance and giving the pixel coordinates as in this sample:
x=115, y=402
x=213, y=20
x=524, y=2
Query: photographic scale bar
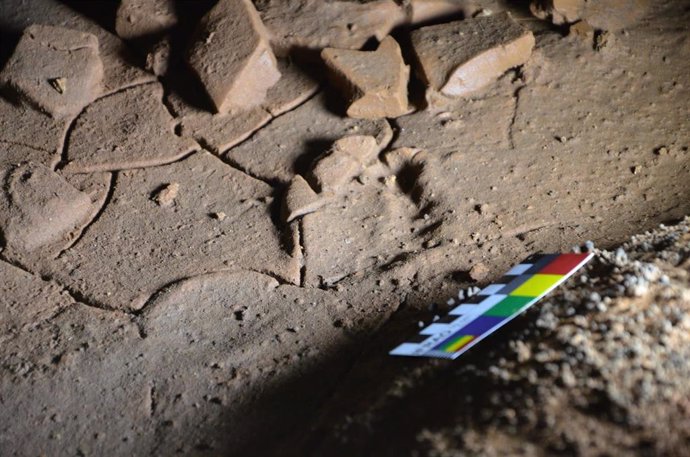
x=494, y=306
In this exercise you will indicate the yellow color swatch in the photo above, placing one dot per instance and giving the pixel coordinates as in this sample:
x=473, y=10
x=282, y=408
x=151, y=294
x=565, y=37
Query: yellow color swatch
x=462, y=341
x=536, y=285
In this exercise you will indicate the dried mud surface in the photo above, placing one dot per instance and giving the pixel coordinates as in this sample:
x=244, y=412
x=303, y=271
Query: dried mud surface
x=156, y=300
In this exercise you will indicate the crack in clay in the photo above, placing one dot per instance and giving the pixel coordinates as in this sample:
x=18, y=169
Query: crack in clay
x=152, y=399
x=96, y=217
x=29, y=146
x=303, y=258
x=138, y=313
x=75, y=296
x=72, y=123
x=231, y=163
x=268, y=123
x=516, y=98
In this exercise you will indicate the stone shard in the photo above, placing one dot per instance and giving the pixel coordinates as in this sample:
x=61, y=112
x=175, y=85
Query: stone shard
x=345, y=160
x=128, y=129
x=158, y=57
x=335, y=169
x=38, y=208
x=55, y=69
x=300, y=199
x=166, y=195
x=165, y=244
x=602, y=14
x=317, y=24
x=232, y=56
x=375, y=82
x=459, y=58
x=138, y=18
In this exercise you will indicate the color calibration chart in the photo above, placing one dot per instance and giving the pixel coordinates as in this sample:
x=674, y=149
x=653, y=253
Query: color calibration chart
x=482, y=314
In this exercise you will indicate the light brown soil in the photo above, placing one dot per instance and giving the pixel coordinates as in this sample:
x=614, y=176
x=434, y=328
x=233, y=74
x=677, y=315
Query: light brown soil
x=179, y=281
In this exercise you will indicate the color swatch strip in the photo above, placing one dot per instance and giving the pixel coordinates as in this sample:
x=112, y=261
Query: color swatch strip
x=479, y=316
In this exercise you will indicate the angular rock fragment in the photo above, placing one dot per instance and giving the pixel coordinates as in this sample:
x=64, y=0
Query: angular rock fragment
x=300, y=199
x=232, y=56
x=290, y=143
x=38, y=208
x=335, y=169
x=317, y=24
x=55, y=69
x=138, y=18
x=459, y=58
x=345, y=160
x=601, y=14
x=166, y=195
x=375, y=83
x=166, y=244
x=129, y=129
x=220, y=131
x=158, y=57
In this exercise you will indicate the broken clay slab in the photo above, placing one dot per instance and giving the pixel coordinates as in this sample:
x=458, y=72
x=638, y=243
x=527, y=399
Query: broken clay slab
x=55, y=69
x=459, y=58
x=129, y=129
x=232, y=57
x=174, y=242
x=374, y=82
x=300, y=199
x=316, y=24
x=139, y=18
x=38, y=208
